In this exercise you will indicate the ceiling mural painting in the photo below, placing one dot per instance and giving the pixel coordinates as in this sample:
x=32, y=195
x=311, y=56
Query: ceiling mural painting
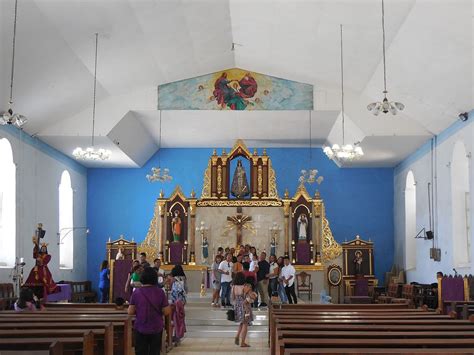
x=235, y=89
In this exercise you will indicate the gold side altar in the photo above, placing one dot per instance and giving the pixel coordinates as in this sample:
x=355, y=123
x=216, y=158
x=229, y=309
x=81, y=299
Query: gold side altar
x=270, y=219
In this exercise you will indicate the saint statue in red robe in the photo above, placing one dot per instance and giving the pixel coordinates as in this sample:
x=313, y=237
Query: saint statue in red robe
x=40, y=276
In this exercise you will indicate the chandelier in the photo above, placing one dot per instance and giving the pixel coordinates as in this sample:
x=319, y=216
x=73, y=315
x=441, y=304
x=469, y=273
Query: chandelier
x=8, y=117
x=309, y=176
x=346, y=152
x=91, y=153
x=159, y=174
x=385, y=106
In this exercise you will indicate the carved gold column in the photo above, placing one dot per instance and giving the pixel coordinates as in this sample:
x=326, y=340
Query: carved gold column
x=161, y=211
x=318, y=213
x=192, y=239
x=286, y=211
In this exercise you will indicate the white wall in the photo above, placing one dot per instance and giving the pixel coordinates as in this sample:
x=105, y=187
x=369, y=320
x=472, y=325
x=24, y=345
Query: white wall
x=420, y=164
x=39, y=170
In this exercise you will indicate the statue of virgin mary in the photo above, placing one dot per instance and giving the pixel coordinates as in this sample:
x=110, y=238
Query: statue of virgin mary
x=240, y=187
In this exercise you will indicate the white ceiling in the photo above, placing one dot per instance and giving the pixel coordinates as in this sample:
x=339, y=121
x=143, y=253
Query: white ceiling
x=144, y=43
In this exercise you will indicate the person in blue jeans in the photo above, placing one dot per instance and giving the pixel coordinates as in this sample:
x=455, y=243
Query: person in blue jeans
x=225, y=268
x=104, y=282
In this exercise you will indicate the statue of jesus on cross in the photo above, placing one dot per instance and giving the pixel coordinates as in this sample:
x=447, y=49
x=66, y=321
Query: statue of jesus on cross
x=239, y=221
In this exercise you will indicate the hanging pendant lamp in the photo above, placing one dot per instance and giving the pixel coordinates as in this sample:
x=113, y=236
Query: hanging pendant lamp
x=159, y=174
x=91, y=153
x=385, y=106
x=9, y=117
x=344, y=152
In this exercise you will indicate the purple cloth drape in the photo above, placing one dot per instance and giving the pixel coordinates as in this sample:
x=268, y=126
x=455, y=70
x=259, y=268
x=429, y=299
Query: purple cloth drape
x=452, y=288
x=64, y=294
x=361, y=287
x=303, y=251
x=121, y=270
x=176, y=253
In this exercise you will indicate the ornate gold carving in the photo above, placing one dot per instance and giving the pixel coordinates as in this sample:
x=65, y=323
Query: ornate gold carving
x=272, y=186
x=206, y=188
x=260, y=180
x=219, y=179
x=239, y=203
x=193, y=193
x=241, y=148
x=177, y=192
x=150, y=245
x=330, y=248
x=301, y=191
x=315, y=267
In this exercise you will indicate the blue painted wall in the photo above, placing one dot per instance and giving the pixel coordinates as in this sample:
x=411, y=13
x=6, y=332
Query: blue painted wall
x=358, y=201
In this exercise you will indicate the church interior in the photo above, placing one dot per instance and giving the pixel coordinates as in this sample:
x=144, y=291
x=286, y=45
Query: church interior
x=322, y=147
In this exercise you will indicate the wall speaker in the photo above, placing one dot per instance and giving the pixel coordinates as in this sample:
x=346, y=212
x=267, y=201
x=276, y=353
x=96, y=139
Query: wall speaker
x=429, y=235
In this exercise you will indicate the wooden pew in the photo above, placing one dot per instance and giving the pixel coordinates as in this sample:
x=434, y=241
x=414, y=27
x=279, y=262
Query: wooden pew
x=360, y=351
x=385, y=343
x=122, y=326
x=295, y=323
x=83, y=344
x=103, y=337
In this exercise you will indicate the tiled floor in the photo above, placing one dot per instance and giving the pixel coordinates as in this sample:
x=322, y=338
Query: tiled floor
x=209, y=332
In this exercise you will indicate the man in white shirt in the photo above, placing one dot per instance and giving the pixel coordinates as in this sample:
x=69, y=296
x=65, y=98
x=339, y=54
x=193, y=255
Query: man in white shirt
x=288, y=274
x=225, y=268
x=159, y=271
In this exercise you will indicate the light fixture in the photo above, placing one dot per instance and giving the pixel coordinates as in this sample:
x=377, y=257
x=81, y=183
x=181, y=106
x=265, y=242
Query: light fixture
x=159, y=174
x=9, y=117
x=309, y=176
x=385, y=106
x=346, y=152
x=91, y=153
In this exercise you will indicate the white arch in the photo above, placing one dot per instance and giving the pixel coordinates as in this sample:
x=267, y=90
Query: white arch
x=460, y=205
x=66, y=222
x=410, y=221
x=7, y=205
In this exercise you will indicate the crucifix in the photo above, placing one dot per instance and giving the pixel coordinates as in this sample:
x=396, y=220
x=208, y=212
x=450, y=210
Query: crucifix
x=239, y=221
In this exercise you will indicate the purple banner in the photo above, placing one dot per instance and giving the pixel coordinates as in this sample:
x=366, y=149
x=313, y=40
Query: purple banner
x=303, y=253
x=121, y=270
x=176, y=253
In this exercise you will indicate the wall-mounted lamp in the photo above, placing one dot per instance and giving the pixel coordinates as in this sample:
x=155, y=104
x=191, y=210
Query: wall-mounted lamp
x=69, y=230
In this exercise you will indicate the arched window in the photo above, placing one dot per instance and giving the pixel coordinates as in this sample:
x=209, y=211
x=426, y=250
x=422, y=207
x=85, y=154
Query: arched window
x=410, y=222
x=7, y=205
x=460, y=206
x=66, y=222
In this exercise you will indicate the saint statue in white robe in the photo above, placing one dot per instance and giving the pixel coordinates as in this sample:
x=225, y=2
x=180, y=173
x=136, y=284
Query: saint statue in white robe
x=302, y=227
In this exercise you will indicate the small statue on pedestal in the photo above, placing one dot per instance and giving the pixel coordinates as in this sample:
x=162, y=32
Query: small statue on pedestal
x=273, y=246
x=176, y=226
x=205, y=249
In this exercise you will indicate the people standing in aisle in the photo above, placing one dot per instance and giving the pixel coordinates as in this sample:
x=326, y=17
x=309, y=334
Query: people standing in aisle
x=281, y=285
x=225, y=268
x=104, y=282
x=216, y=280
x=288, y=274
x=273, y=277
x=159, y=271
x=243, y=297
x=262, y=279
x=143, y=260
x=148, y=304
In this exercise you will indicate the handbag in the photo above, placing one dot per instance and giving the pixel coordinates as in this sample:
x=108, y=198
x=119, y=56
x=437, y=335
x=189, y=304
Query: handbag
x=231, y=315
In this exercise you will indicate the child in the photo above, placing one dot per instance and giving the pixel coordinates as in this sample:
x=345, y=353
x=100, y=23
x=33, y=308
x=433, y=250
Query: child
x=104, y=282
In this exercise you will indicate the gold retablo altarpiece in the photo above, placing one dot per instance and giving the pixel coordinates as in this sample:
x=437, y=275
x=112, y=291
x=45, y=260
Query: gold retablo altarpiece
x=258, y=219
